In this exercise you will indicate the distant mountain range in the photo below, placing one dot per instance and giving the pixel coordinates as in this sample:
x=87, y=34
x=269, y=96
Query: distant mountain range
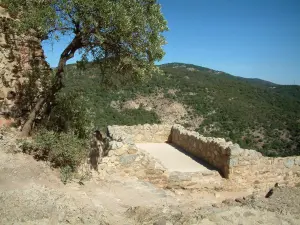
x=200, y=68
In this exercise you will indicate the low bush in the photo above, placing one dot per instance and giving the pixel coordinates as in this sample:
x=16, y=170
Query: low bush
x=62, y=150
x=72, y=113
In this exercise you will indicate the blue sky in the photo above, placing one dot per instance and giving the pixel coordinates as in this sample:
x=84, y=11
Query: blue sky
x=248, y=38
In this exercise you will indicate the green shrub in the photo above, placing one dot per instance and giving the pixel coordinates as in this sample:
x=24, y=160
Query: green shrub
x=68, y=150
x=72, y=113
x=66, y=174
x=62, y=150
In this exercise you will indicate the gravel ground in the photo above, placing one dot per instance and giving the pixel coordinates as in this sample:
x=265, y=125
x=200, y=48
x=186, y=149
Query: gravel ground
x=32, y=193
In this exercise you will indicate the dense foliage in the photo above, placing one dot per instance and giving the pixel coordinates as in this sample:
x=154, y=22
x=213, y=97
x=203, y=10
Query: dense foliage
x=124, y=36
x=85, y=94
x=256, y=114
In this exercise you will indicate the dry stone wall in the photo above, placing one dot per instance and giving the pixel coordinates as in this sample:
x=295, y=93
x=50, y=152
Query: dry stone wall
x=215, y=151
x=19, y=55
x=244, y=168
x=249, y=166
x=135, y=162
x=139, y=134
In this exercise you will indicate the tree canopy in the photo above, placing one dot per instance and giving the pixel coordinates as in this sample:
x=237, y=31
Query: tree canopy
x=125, y=36
x=127, y=33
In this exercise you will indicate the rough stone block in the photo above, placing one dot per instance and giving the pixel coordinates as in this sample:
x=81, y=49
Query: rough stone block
x=127, y=159
x=121, y=151
x=115, y=145
x=297, y=161
x=178, y=177
x=233, y=162
x=289, y=163
x=132, y=150
x=235, y=150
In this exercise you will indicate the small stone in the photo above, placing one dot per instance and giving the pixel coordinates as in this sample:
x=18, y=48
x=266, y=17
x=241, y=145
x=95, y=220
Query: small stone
x=217, y=194
x=179, y=177
x=132, y=151
x=207, y=173
x=120, y=151
x=113, y=158
x=145, y=162
x=239, y=200
x=233, y=162
x=253, y=153
x=160, y=222
x=248, y=213
x=138, y=158
x=127, y=159
x=227, y=201
x=289, y=163
x=127, y=170
x=111, y=153
x=237, y=214
x=297, y=161
x=115, y=145
x=140, y=174
x=235, y=150
x=158, y=166
x=105, y=160
x=2, y=95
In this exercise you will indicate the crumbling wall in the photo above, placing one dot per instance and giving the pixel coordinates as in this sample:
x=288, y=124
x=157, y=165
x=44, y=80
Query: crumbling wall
x=20, y=54
x=134, y=161
x=140, y=133
x=250, y=167
x=242, y=166
x=215, y=151
x=245, y=169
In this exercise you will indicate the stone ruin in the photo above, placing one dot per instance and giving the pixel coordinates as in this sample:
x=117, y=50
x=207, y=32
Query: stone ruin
x=235, y=168
x=20, y=54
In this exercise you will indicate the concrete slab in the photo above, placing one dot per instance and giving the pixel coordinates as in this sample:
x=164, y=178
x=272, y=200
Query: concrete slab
x=174, y=158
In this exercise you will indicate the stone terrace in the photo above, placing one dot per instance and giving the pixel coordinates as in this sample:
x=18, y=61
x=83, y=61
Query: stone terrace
x=227, y=166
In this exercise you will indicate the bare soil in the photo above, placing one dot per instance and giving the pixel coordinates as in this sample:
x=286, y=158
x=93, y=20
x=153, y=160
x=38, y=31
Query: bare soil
x=32, y=193
x=168, y=110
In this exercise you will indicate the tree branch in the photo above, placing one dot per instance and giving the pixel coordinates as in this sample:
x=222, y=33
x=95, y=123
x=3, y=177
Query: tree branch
x=60, y=29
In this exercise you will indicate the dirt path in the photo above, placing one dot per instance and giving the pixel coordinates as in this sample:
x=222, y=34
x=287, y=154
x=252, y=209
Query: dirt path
x=32, y=193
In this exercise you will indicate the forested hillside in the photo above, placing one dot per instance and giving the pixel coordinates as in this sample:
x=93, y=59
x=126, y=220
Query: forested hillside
x=254, y=113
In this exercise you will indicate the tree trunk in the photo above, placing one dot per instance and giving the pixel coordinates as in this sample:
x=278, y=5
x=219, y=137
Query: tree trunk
x=29, y=122
x=67, y=54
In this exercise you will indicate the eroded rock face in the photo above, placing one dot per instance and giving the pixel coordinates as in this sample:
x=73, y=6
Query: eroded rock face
x=20, y=54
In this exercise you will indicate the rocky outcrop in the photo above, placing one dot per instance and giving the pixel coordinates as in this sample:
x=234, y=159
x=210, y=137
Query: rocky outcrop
x=20, y=55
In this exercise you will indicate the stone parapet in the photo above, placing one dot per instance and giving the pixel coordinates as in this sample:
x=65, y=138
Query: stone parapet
x=215, y=151
x=243, y=168
x=156, y=133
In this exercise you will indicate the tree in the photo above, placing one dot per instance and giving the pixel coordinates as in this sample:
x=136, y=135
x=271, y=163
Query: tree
x=125, y=36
